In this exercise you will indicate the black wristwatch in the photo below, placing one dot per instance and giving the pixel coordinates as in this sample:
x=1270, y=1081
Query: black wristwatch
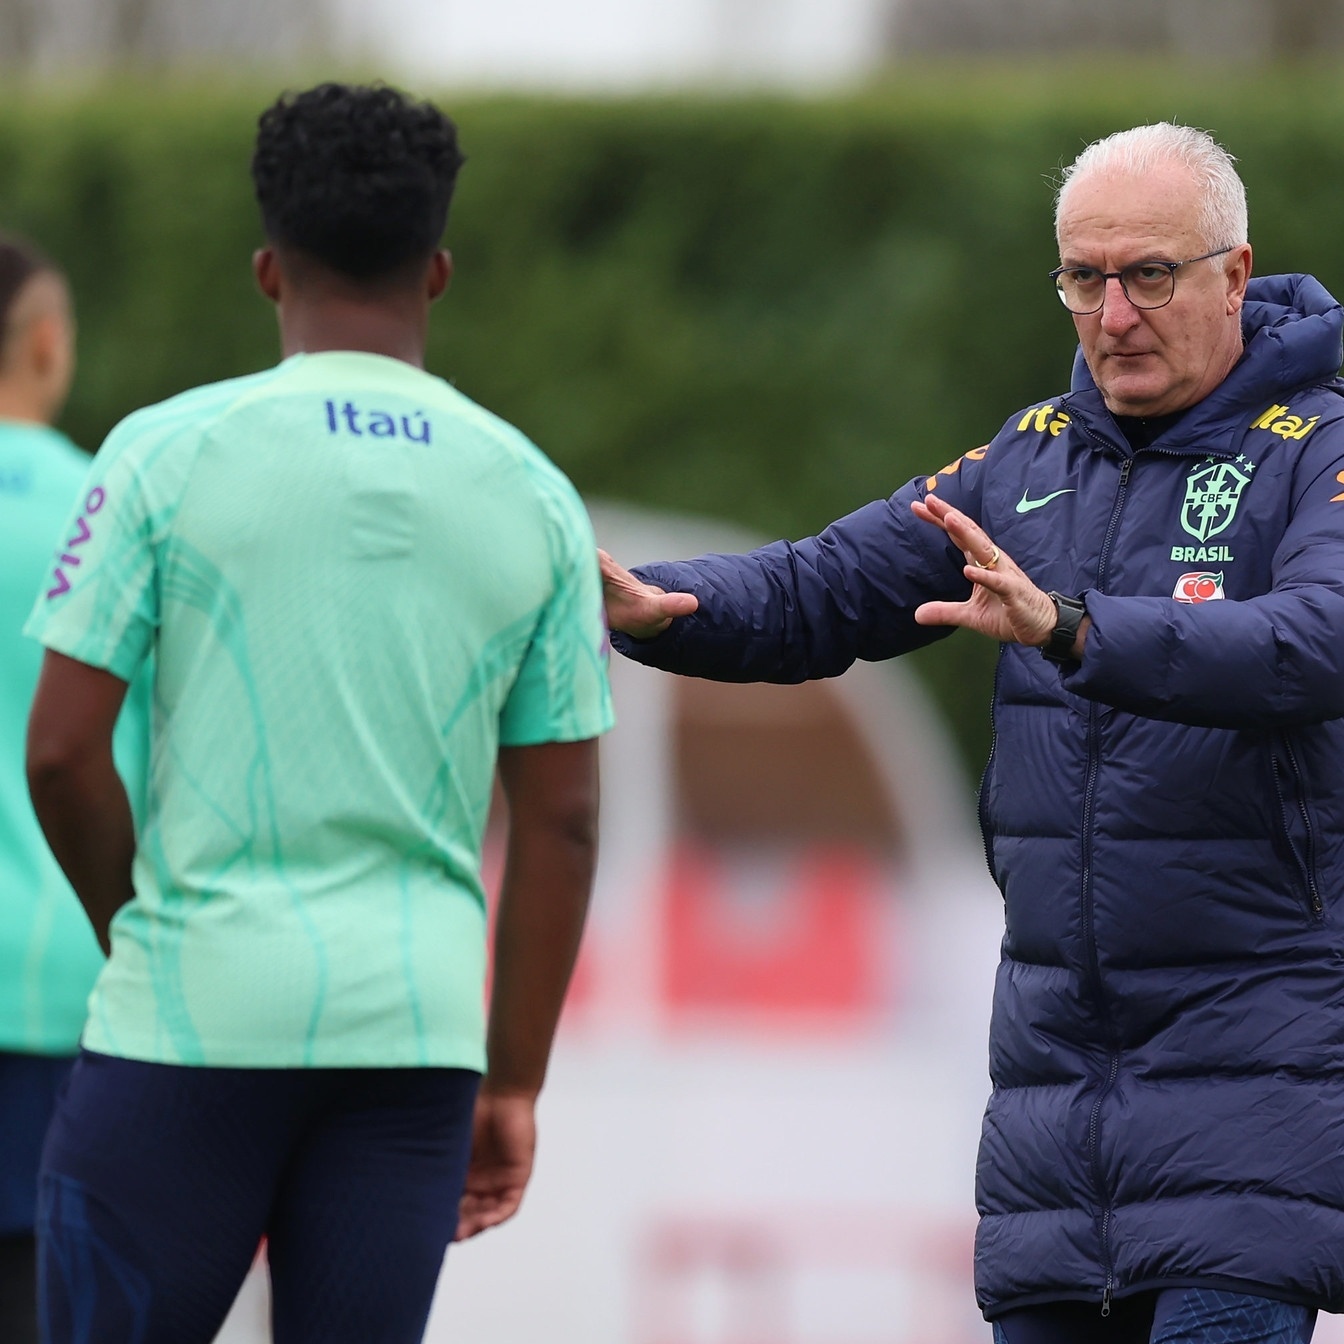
x=1069, y=613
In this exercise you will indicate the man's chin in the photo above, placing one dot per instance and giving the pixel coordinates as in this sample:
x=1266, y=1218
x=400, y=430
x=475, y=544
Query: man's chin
x=1136, y=396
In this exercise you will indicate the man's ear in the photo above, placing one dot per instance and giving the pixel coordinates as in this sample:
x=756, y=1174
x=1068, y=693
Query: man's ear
x=266, y=271
x=44, y=344
x=439, y=274
x=1237, y=275
x=48, y=349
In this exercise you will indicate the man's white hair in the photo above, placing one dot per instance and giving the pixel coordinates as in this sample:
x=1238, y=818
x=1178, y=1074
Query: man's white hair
x=1222, y=208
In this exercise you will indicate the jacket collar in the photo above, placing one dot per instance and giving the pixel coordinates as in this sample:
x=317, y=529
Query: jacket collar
x=1294, y=336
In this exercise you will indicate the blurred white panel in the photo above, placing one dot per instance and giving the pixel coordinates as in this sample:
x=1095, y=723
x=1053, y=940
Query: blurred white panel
x=618, y=44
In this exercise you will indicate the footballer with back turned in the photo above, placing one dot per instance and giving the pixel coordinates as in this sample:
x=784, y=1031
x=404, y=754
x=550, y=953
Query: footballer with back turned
x=289, y=1038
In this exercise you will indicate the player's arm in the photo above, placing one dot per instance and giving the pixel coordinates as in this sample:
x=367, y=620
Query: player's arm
x=552, y=793
x=77, y=794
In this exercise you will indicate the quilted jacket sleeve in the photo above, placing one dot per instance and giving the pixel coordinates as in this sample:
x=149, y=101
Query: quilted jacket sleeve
x=792, y=611
x=1272, y=660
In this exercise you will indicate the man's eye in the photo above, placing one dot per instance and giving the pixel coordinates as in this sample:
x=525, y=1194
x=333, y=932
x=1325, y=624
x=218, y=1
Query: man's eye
x=1084, y=275
x=1150, y=275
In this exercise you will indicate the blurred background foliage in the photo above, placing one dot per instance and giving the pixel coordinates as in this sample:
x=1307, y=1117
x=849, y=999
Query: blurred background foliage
x=764, y=309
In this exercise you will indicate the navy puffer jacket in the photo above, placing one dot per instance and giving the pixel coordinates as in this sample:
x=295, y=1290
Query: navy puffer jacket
x=1165, y=821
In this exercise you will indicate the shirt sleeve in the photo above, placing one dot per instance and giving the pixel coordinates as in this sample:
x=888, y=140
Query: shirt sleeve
x=561, y=692
x=99, y=602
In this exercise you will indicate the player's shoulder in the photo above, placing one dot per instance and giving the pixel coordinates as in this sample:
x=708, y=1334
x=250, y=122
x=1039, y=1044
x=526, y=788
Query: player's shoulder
x=180, y=421
x=471, y=415
x=536, y=472
x=66, y=455
x=41, y=473
x=54, y=457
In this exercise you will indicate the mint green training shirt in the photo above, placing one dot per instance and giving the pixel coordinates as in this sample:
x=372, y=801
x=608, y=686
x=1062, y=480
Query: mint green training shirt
x=48, y=955
x=356, y=585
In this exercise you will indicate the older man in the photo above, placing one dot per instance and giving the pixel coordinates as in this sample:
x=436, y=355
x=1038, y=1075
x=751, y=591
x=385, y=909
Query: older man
x=1161, y=552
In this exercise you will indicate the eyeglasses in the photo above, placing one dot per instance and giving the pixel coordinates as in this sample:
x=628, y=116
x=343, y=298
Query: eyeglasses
x=1147, y=284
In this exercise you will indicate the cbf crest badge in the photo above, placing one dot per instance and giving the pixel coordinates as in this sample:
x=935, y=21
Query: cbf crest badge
x=1212, y=493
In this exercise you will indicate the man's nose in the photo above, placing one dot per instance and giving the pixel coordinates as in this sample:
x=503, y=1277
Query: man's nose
x=1118, y=314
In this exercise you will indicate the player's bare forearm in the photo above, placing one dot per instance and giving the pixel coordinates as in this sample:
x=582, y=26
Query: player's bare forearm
x=79, y=799
x=86, y=817
x=552, y=794
x=552, y=790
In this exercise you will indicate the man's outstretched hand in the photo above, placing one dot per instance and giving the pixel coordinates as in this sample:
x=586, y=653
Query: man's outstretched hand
x=1004, y=603
x=636, y=608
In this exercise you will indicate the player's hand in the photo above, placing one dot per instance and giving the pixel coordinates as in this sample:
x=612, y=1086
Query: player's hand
x=1004, y=604
x=636, y=608
x=504, y=1140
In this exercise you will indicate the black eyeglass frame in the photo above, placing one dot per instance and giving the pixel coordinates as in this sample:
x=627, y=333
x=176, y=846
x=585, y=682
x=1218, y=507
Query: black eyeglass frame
x=1170, y=266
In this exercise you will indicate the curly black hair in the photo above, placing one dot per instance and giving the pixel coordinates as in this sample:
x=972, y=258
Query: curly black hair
x=357, y=177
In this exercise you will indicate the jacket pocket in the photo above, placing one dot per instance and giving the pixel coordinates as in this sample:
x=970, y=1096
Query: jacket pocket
x=1293, y=813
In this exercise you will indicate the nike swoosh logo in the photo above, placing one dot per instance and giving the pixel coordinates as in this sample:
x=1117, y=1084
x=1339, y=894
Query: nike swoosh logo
x=1025, y=505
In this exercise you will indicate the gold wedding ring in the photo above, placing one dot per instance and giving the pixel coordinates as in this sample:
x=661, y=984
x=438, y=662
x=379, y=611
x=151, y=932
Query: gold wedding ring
x=992, y=561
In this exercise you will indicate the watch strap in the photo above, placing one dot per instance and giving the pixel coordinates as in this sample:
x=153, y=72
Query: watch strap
x=1069, y=613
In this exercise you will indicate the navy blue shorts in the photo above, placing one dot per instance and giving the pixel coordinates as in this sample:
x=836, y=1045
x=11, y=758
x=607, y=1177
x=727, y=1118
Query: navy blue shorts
x=28, y=1088
x=1176, y=1316
x=158, y=1182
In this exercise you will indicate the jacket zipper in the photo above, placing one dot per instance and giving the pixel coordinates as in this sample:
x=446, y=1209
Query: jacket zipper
x=1306, y=864
x=982, y=806
x=1089, y=933
x=1094, y=970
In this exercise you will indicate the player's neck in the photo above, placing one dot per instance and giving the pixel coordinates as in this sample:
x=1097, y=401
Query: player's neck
x=394, y=329
x=22, y=401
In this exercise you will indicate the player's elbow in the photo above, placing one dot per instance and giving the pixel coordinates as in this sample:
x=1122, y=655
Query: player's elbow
x=49, y=768
x=55, y=760
x=576, y=827
x=557, y=839
x=70, y=727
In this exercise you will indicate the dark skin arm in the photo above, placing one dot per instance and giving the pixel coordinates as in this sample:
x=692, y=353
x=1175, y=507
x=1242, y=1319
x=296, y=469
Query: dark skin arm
x=552, y=796
x=77, y=794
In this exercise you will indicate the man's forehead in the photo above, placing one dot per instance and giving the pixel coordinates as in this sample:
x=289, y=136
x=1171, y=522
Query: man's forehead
x=1154, y=209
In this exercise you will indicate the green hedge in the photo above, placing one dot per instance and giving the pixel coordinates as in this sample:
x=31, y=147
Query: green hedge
x=762, y=309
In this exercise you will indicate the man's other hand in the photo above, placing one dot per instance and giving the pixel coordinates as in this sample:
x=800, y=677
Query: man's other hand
x=503, y=1144
x=636, y=608
x=1004, y=603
